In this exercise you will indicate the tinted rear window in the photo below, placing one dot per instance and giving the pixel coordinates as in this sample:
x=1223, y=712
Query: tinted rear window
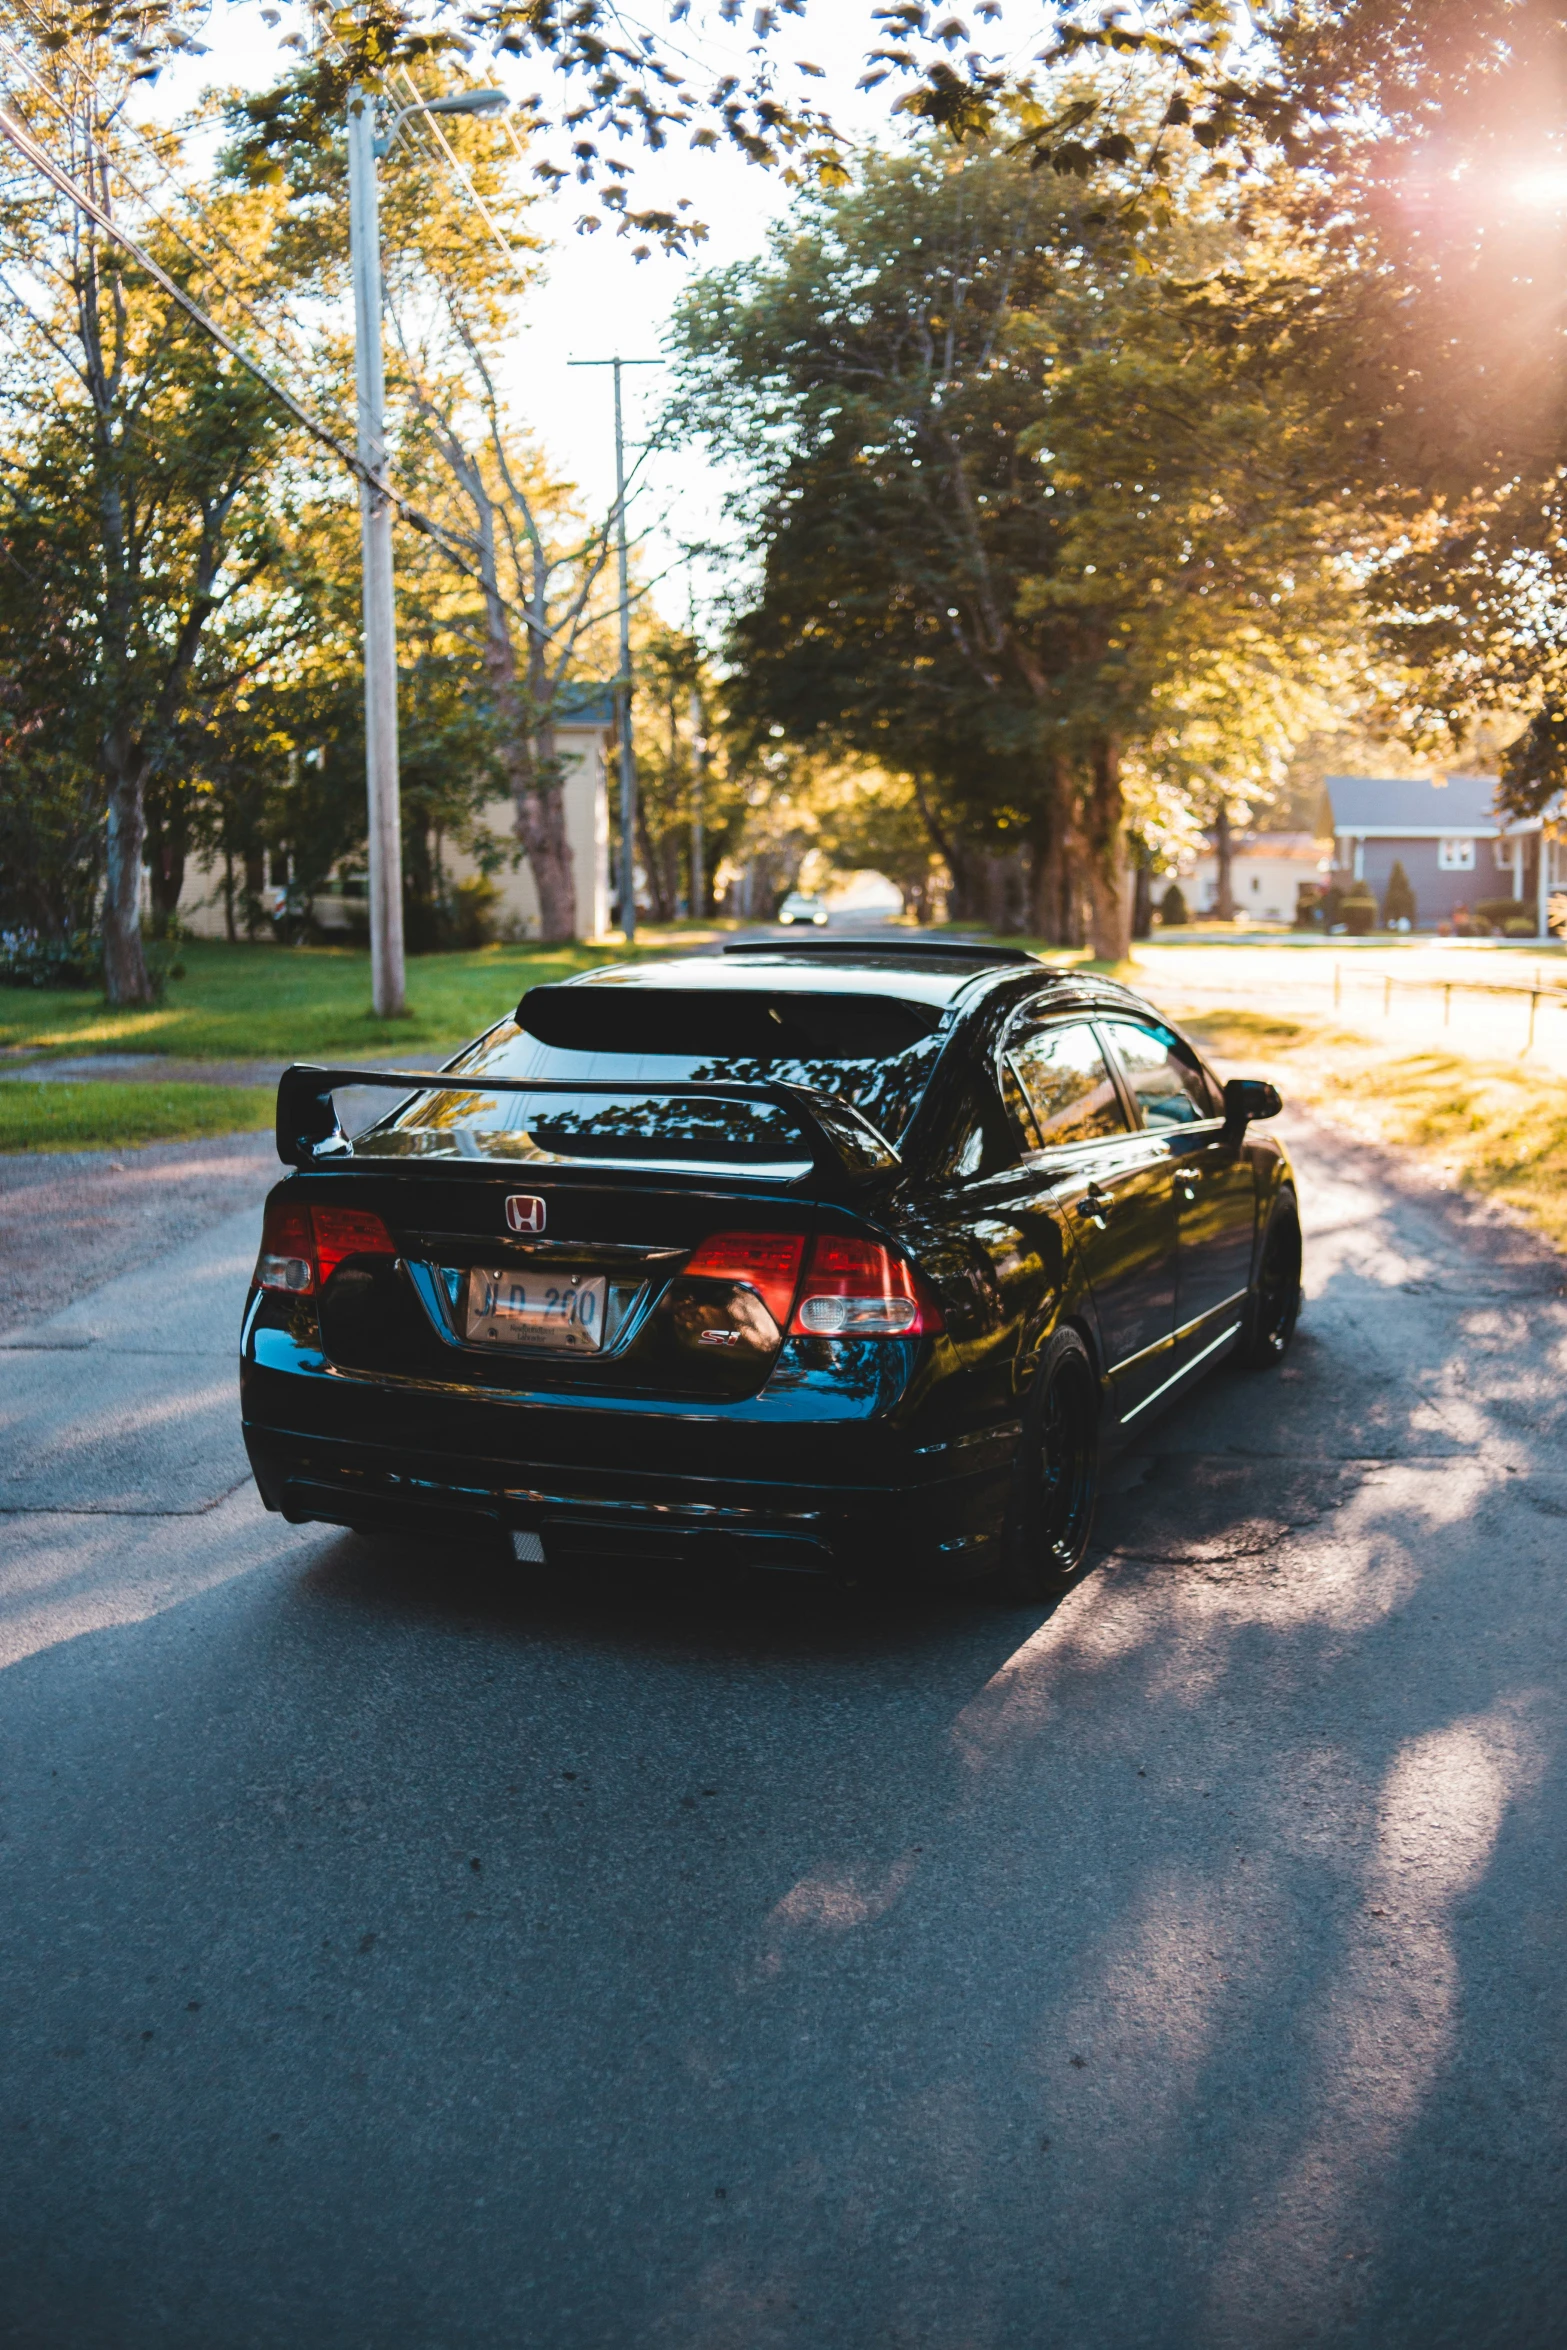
x=873, y=1051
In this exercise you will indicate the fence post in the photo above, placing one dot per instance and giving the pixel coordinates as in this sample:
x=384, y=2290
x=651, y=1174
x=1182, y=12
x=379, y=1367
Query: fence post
x=1534, y=999
x=1447, y=1003
x=1338, y=974
x=1387, y=995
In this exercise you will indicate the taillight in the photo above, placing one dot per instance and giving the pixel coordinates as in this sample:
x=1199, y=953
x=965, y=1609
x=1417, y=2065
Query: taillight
x=302, y=1247
x=347, y=1232
x=288, y=1249
x=860, y=1289
x=768, y=1262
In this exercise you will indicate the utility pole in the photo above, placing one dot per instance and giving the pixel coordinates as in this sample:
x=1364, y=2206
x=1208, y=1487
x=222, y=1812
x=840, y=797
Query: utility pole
x=628, y=765
x=387, y=976
x=698, y=788
x=375, y=533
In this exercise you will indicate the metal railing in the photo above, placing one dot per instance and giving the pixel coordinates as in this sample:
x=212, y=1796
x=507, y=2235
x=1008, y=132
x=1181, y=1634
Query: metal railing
x=1536, y=992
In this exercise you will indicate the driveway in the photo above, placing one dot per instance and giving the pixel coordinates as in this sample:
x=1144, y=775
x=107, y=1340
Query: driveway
x=398, y=1952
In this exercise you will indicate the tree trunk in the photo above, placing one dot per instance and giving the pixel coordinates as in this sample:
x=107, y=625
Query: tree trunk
x=166, y=879
x=1047, y=843
x=1142, y=896
x=656, y=868
x=966, y=901
x=1058, y=882
x=1223, y=849
x=541, y=828
x=1104, y=843
x=126, y=978
x=255, y=883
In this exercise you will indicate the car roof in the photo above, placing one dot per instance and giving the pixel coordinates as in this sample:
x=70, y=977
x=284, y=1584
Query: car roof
x=937, y=980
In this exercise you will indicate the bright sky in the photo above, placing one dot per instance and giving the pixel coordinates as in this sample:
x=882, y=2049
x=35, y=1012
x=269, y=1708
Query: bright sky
x=596, y=299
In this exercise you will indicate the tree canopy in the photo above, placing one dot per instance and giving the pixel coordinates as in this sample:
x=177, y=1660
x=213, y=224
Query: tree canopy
x=1015, y=517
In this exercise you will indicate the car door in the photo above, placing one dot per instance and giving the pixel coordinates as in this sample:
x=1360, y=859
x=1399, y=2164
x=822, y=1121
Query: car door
x=1114, y=1185
x=1215, y=1188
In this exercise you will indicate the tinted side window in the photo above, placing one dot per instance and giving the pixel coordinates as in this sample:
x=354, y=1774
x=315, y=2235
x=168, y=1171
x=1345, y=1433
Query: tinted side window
x=1168, y=1089
x=1069, y=1089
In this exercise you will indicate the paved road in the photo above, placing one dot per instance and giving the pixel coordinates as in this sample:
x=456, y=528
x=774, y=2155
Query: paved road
x=395, y=1954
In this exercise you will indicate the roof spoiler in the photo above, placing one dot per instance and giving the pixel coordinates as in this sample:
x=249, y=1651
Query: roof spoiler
x=845, y=1148
x=914, y=950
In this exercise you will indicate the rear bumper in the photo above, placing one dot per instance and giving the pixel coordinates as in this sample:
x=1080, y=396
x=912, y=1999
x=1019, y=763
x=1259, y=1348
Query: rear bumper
x=944, y=1522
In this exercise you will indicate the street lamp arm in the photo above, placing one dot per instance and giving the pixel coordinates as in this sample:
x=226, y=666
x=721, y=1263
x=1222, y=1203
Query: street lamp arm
x=460, y=102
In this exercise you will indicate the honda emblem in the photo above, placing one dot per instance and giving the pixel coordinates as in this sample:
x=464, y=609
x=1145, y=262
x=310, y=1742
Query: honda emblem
x=525, y=1213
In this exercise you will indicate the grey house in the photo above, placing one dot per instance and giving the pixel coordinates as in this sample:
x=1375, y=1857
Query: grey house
x=1450, y=840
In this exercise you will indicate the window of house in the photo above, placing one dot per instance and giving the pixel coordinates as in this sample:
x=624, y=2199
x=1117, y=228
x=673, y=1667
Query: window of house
x=1455, y=856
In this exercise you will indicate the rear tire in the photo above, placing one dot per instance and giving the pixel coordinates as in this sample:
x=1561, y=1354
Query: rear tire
x=1275, y=1296
x=1057, y=1476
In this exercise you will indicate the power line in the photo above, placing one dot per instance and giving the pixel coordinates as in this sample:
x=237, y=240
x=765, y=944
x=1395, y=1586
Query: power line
x=66, y=186
x=61, y=180
x=298, y=355
x=429, y=123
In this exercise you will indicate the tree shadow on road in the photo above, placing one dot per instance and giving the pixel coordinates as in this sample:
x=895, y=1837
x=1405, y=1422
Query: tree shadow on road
x=1176, y=1970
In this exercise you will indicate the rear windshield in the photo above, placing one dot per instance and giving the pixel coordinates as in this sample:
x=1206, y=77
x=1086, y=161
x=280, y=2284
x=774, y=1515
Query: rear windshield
x=875, y=1052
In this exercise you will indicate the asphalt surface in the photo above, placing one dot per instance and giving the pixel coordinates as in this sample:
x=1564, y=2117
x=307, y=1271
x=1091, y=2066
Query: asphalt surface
x=395, y=1951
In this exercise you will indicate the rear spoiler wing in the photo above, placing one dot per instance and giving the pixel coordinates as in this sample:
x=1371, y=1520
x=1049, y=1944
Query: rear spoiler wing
x=843, y=1145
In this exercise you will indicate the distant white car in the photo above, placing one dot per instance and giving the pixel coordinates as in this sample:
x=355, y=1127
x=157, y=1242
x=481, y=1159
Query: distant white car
x=798, y=906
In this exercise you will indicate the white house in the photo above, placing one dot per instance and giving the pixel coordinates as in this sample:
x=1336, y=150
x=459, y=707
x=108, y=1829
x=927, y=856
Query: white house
x=1266, y=870
x=584, y=732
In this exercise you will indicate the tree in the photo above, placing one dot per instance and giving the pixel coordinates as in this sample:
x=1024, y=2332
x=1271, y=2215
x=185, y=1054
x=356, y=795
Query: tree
x=140, y=470
x=518, y=577
x=1014, y=519
x=1398, y=906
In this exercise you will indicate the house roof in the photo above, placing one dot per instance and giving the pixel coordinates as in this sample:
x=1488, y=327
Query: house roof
x=585, y=705
x=1294, y=847
x=1414, y=804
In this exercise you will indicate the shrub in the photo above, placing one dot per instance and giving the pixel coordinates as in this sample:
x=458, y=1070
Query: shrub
x=1398, y=904
x=475, y=905
x=1518, y=926
x=1172, y=907
x=1359, y=911
x=1309, y=896
x=26, y=960
x=1498, y=912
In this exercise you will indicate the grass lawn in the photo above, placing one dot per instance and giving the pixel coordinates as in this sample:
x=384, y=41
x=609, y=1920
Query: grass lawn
x=269, y=1003
x=105, y=1115
x=1495, y=1128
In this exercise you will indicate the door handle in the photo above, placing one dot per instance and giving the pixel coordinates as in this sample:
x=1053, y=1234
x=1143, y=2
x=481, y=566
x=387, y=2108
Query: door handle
x=1094, y=1203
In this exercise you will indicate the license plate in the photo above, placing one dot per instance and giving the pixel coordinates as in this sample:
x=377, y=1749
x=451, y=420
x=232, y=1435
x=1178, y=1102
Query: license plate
x=524, y=1308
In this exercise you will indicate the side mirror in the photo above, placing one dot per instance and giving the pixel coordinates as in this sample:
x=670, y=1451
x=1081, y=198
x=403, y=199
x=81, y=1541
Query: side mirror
x=1246, y=1098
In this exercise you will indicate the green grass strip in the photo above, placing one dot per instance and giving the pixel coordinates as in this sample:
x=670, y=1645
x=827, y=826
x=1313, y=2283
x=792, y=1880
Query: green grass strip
x=108, y=1116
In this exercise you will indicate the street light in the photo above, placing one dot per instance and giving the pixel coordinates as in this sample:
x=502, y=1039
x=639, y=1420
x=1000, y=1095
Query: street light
x=461, y=102
x=375, y=531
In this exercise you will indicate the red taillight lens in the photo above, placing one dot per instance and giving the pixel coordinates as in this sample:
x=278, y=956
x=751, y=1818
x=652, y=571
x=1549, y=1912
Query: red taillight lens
x=768, y=1262
x=301, y=1247
x=348, y=1232
x=860, y=1289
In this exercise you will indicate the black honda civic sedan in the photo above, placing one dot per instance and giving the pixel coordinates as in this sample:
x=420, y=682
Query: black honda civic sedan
x=817, y=1255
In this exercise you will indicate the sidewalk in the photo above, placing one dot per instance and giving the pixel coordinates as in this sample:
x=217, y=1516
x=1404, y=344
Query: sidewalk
x=1436, y=998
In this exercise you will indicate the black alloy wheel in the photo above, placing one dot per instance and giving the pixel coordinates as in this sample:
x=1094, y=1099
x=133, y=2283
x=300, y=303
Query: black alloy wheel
x=1275, y=1297
x=1058, y=1472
